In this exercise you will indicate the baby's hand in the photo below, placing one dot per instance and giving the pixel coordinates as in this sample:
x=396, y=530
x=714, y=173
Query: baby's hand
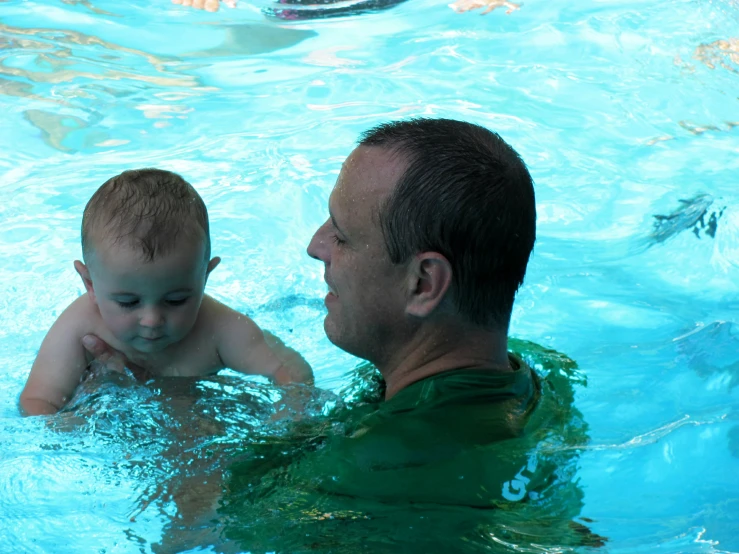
x=207, y=5
x=466, y=5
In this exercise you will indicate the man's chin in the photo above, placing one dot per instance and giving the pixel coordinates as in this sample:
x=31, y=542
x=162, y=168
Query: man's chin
x=332, y=333
x=339, y=337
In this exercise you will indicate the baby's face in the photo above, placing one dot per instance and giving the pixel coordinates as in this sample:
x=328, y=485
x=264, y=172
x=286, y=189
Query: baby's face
x=149, y=305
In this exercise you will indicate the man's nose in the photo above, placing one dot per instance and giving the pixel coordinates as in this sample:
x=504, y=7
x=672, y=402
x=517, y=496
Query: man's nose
x=151, y=317
x=318, y=248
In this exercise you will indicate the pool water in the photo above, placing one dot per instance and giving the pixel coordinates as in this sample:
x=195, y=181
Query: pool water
x=622, y=110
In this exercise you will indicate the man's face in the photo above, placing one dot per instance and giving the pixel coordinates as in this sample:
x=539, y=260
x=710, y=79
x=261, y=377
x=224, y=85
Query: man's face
x=366, y=297
x=148, y=305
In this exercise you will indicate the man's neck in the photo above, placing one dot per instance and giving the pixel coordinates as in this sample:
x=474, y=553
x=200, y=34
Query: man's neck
x=434, y=351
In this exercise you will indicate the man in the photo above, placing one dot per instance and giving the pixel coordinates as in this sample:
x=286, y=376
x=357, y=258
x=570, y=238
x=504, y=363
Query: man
x=432, y=222
x=431, y=226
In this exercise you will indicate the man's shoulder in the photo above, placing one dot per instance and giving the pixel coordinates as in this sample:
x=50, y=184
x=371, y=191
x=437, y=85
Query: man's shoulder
x=466, y=386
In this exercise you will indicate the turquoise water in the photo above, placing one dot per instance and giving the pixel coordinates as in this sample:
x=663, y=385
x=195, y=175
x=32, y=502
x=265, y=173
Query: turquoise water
x=616, y=117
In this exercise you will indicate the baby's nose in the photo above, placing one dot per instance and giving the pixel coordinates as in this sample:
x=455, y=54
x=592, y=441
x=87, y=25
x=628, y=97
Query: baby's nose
x=151, y=317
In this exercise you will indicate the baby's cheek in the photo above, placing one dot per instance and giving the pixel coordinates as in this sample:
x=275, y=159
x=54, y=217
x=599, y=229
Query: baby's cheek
x=121, y=325
x=120, y=329
x=184, y=321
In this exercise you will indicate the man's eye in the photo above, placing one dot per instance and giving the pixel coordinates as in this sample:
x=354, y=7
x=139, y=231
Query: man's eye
x=337, y=240
x=178, y=302
x=127, y=303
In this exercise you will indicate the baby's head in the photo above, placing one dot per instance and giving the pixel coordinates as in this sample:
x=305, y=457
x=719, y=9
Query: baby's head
x=146, y=251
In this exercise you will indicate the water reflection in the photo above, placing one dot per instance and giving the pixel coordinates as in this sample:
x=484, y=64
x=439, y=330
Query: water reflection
x=56, y=128
x=53, y=51
x=72, y=73
x=720, y=53
x=696, y=130
x=712, y=352
x=87, y=4
x=249, y=39
x=78, y=81
x=10, y=87
x=700, y=214
x=693, y=214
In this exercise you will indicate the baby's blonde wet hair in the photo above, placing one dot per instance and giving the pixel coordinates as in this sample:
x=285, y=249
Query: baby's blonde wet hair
x=146, y=209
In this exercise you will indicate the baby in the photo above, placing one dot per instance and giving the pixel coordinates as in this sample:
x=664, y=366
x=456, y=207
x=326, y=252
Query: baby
x=146, y=251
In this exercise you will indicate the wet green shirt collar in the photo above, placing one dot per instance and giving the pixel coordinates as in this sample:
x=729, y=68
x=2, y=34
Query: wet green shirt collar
x=464, y=386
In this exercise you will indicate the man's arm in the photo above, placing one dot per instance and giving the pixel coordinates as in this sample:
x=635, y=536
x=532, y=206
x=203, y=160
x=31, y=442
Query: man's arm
x=244, y=347
x=59, y=365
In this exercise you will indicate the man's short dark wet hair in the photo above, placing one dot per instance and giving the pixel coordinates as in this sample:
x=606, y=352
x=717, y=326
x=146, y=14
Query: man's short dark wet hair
x=467, y=195
x=147, y=209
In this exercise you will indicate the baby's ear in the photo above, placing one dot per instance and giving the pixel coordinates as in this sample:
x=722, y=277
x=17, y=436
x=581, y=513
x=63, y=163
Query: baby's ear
x=84, y=274
x=211, y=266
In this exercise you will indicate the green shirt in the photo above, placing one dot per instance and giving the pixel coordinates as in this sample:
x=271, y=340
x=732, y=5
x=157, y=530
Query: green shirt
x=456, y=462
x=429, y=443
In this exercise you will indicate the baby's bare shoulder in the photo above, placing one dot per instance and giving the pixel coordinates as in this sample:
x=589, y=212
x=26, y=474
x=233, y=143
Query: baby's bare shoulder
x=81, y=315
x=218, y=314
x=229, y=325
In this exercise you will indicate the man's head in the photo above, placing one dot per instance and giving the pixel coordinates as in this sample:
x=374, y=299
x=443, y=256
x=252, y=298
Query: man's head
x=146, y=247
x=433, y=218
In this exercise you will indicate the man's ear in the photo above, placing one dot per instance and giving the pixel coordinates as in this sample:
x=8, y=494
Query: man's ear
x=211, y=266
x=84, y=274
x=429, y=279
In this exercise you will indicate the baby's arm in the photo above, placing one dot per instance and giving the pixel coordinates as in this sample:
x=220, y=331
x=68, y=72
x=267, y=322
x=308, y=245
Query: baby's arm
x=59, y=365
x=244, y=347
x=293, y=367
